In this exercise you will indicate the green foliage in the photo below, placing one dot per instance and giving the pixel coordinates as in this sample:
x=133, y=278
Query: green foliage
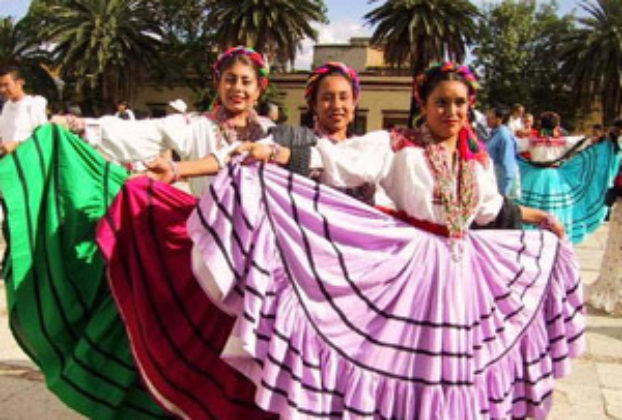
x=20, y=47
x=518, y=53
x=592, y=57
x=420, y=32
x=274, y=27
x=188, y=48
x=104, y=45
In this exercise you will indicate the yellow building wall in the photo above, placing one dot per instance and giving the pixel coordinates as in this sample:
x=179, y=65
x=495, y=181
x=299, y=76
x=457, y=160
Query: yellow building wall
x=375, y=58
x=156, y=96
x=355, y=56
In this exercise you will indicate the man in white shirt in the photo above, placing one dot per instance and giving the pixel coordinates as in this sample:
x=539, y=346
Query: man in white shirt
x=21, y=113
x=516, y=119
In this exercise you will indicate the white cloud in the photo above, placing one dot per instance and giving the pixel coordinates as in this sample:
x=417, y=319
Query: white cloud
x=338, y=32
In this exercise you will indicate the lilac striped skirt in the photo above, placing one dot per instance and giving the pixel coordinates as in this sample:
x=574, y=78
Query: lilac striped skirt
x=345, y=312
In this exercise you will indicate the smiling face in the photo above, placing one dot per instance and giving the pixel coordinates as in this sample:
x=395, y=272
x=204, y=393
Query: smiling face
x=446, y=109
x=238, y=88
x=334, y=104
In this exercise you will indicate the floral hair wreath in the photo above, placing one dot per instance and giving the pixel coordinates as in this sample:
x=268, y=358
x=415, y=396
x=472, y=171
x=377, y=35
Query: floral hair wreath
x=255, y=57
x=447, y=67
x=332, y=67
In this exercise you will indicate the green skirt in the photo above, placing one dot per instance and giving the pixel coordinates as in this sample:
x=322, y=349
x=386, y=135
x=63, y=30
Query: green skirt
x=56, y=188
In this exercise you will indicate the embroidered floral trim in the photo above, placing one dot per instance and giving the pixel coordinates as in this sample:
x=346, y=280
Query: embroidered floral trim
x=404, y=137
x=459, y=204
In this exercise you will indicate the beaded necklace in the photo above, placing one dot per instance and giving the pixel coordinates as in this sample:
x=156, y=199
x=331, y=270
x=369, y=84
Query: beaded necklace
x=228, y=133
x=458, y=206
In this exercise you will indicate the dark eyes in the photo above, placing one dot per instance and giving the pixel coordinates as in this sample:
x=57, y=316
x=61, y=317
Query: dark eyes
x=233, y=79
x=445, y=102
x=343, y=96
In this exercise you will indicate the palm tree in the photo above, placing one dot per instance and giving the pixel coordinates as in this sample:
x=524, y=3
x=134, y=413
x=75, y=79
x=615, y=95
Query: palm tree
x=105, y=45
x=423, y=31
x=592, y=57
x=420, y=32
x=274, y=27
x=19, y=47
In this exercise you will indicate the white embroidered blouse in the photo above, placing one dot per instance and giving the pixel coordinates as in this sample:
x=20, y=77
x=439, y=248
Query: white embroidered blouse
x=405, y=175
x=191, y=136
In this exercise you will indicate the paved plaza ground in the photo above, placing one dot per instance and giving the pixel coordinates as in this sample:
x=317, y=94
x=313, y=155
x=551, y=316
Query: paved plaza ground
x=592, y=392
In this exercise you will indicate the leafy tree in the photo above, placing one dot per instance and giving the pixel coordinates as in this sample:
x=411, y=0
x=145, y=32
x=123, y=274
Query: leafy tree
x=189, y=48
x=274, y=27
x=502, y=50
x=548, y=85
x=420, y=32
x=592, y=57
x=517, y=52
x=20, y=47
x=104, y=45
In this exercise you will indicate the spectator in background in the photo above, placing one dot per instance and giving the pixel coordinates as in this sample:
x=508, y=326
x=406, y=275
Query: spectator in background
x=528, y=129
x=597, y=133
x=502, y=148
x=479, y=124
x=124, y=112
x=616, y=130
x=515, y=122
x=21, y=113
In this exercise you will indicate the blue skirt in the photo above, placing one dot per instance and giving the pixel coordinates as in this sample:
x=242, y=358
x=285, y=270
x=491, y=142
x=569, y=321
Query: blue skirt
x=574, y=191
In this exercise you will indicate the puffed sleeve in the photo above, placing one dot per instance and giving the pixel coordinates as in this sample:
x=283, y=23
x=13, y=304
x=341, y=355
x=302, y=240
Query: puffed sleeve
x=128, y=141
x=491, y=201
x=360, y=160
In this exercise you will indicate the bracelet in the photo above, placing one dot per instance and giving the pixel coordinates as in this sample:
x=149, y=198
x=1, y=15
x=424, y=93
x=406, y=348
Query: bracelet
x=175, y=167
x=548, y=222
x=275, y=149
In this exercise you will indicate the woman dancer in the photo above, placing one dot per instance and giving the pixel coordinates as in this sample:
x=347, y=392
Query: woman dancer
x=56, y=188
x=148, y=252
x=567, y=179
x=344, y=311
x=332, y=93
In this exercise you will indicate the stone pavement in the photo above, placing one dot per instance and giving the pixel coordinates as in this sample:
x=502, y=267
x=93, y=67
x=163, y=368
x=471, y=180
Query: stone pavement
x=592, y=392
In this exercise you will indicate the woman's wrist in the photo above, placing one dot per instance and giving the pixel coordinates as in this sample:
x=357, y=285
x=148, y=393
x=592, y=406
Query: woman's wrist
x=547, y=222
x=275, y=152
x=175, y=168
